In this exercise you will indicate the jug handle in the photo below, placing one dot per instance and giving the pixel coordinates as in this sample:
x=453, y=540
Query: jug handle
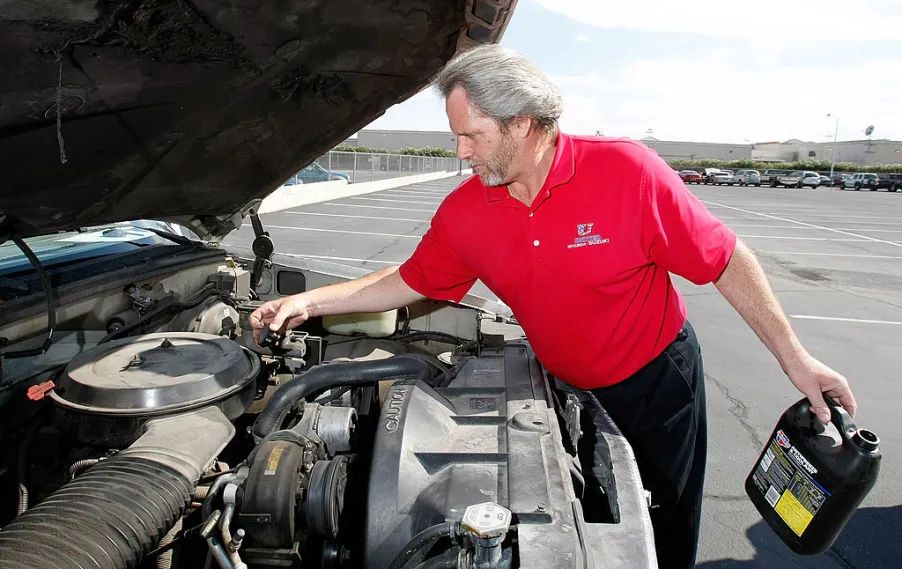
x=805, y=417
x=841, y=419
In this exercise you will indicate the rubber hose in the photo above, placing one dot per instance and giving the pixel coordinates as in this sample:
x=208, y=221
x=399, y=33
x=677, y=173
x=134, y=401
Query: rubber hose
x=108, y=518
x=422, y=541
x=447, y=560
x=334, y=375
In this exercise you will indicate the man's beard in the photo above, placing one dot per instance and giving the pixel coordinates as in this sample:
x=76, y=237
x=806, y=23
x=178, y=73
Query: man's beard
x=494, y=169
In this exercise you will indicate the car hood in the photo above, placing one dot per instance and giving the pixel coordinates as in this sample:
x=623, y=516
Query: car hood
x=193, y=111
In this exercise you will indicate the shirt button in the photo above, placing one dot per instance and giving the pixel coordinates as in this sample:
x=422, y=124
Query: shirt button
x=530, y=214
x=535, y=243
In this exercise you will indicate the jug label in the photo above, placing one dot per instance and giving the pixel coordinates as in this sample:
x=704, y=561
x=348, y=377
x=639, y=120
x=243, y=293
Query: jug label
x=784, y=476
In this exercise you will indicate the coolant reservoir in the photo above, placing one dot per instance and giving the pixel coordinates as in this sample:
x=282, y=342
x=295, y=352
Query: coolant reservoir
x=372, y=324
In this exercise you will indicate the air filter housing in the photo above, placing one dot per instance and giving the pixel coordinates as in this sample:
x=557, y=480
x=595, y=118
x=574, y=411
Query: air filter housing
x=107, y=393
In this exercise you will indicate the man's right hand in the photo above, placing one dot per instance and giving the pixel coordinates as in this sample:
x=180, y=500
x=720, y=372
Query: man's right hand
x=280, y=314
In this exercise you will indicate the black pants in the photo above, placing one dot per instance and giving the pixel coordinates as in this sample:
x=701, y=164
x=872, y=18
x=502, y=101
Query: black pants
x=661, y=411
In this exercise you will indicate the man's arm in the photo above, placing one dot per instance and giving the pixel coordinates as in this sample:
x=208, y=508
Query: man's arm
x=375, y=292
x=744, y=285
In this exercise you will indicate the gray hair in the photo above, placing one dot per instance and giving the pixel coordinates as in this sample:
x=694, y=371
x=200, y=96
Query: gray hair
x=502, y=84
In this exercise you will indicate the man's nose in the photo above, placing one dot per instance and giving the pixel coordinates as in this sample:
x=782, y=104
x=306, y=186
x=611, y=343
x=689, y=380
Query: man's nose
x=464, y=152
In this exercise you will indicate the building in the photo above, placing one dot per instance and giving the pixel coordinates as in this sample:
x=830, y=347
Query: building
x=395, y=139
x=673, y=150
x=864, y=152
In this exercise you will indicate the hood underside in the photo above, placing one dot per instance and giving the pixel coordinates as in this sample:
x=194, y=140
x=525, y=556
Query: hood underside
x=189, y=110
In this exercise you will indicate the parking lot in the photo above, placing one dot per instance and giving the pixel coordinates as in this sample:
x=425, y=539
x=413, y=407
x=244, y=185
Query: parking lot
x=834, y=259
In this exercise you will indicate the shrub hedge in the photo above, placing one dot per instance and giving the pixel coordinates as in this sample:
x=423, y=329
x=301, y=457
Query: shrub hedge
x=407, y=151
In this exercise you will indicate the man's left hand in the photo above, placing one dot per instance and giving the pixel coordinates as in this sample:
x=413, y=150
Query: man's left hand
x=814, y=380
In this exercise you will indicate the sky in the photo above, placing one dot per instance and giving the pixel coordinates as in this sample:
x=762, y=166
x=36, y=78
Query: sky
x=707, y=70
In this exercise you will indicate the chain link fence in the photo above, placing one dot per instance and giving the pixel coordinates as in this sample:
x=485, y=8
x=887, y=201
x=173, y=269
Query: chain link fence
x=363, y=167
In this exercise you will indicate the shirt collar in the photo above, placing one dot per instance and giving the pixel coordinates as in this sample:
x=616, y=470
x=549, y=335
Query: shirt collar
x=561, y=172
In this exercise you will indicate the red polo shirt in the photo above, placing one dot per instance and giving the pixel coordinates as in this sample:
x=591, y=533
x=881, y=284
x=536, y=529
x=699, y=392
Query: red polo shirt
x=585, y=268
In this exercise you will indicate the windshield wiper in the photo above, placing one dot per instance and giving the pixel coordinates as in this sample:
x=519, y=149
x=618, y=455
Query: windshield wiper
x=179, y=239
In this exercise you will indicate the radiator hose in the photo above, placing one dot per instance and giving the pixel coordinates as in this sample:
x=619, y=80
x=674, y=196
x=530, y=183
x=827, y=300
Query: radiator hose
x=115, y=512
x=328, y=376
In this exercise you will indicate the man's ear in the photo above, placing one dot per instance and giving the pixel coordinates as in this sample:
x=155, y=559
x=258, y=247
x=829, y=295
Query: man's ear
x=520, y=127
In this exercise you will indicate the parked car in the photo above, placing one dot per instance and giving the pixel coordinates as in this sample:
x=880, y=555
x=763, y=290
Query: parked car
x=316, y=173
x=769, y=176
x=839, y=178
x=865, y=180
x=748, y=177
x=724, y=177
x=691, y=177
x=892, y=182
x=708, y=174
x=810, y=179
x=799, y=179
x=825, y=180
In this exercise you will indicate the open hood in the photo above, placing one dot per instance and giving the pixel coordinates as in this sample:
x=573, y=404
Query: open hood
x=190, y=111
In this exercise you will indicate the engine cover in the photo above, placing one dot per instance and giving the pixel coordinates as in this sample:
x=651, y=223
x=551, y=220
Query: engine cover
x=493, y=435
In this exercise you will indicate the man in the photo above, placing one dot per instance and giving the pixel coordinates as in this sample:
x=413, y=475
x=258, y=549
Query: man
x=578, y=236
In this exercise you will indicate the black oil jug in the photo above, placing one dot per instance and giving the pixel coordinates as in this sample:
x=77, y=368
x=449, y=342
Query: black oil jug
x=808, y=481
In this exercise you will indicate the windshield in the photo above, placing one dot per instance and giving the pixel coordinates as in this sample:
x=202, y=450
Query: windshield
x=87, y=243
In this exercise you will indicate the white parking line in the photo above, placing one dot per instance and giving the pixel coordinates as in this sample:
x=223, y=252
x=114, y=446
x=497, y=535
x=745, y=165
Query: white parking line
x=800, y=238
x=874, y=239
x=328, y=258
x=400, y=195
x=791, y=208
x=807, y=215
x=425, y=192
x=860, y=256
x=793, y=227
x=846, y=222
x=388, y=200
x=357, y=216
x=871, y=230
x=339, y=231
x=893, y=223
x=411, y=195
x=838, y=319
x=769, y=226
x=377, y=207
x=418, y=190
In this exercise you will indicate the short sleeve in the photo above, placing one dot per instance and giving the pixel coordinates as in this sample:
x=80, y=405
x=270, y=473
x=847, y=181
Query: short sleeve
x=435, y=269
x=678, y=231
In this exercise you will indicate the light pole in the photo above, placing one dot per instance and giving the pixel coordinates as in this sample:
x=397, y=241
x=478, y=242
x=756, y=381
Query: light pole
x=833, y=158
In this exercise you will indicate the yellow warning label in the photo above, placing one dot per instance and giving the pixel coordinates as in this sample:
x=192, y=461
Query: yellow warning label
x=272, y=464
x=796, y=516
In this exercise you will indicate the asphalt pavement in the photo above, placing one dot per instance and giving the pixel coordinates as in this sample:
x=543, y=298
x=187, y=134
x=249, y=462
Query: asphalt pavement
x=834, y=259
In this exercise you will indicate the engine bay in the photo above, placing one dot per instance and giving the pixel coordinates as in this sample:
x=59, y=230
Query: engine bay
x=155, y=432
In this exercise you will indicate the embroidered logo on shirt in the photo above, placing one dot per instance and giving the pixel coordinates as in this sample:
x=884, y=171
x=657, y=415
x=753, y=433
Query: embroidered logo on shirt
x=585, y=237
